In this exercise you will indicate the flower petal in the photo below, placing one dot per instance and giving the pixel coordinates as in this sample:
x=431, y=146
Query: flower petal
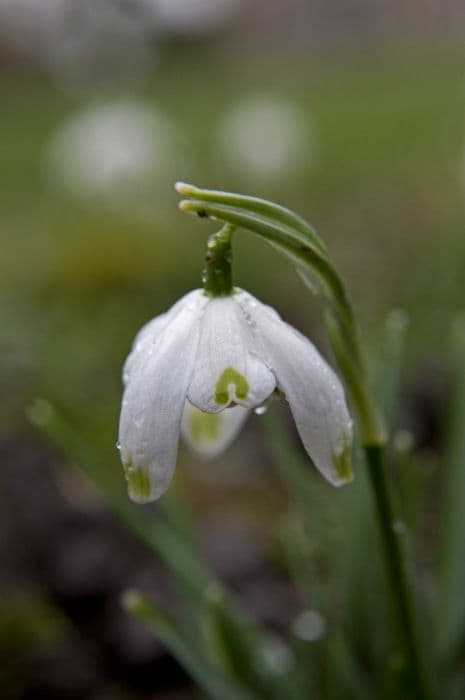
x=147, y=337
x=209, y=434
x=153, y=403
x=228, y=368
x=315, y=395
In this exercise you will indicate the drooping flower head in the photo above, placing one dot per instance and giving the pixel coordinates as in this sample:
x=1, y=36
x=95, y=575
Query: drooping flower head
x=203, y=365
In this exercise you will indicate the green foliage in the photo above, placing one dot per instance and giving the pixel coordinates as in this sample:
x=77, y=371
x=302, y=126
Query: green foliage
x=78, y=279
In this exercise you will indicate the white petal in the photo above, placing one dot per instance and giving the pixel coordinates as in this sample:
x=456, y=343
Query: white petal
x=147, y=337
x=209, y=434
x=314, y=393
x=153, y=403
x=228, y=368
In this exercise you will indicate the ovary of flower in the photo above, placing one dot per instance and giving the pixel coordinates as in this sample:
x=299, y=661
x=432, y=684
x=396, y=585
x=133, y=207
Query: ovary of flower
x=202, y=366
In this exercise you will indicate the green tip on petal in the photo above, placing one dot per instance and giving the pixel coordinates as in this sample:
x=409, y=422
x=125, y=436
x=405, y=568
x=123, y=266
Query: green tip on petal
x=342, y=461
x=205, y=427
x=228, y=377
x=138, y=482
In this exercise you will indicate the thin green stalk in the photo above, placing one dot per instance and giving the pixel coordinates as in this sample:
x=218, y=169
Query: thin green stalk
x=397, y=572
x=217, y=276
x=294, y=238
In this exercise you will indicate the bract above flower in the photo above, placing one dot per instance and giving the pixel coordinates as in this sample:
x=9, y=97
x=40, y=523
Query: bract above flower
x=216, y=353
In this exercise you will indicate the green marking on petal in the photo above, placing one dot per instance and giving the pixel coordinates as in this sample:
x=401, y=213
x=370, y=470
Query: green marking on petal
x=342, y=461
x=231, y=376
x=204, y=427
x=138, y=482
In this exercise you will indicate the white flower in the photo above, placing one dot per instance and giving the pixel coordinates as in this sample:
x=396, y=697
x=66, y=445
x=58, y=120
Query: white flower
x=185, y=17
x=266, y=137
x=114, y=150
x=223, y=353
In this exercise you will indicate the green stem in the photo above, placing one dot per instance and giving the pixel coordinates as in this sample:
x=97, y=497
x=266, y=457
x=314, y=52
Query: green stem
x=217, y=276
x=397, y=573
x=297, y=240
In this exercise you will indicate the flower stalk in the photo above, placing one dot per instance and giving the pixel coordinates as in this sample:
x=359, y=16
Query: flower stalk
x=217, y=276
x=297, y=240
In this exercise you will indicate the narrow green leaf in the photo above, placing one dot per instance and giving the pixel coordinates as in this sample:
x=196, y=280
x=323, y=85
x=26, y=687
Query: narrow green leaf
x=260, y=661
x=389, y=362
x=260, y=206
x=451, y=614
x=217, y=685
x=162, y=539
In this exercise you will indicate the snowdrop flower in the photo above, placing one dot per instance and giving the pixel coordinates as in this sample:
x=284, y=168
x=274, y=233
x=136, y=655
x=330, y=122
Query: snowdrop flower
x=82, y=43
x=266, y=137
x=202, y=366
x=184, y=17
x=114, y=150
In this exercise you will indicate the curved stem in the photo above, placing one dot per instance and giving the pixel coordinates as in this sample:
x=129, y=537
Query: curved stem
x=285, y=231
x=397, y=573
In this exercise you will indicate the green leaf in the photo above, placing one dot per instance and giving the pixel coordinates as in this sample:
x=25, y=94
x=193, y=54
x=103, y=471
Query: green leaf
x=176, y=551
x=217, y=685
x=389, y=362
x=259, y=660
x=451, y=599
x=259, y=206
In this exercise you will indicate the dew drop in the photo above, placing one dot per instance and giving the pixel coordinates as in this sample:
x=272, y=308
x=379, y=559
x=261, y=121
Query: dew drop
x=138, y=420
x=276, y=656
x=399, y=527
x=309, y=626
x=118, y=445
x=260, y=410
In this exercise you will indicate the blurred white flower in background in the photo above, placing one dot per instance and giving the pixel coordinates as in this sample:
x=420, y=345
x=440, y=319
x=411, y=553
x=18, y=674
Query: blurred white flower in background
x=28, y=25
x=104, y=43
x=192, y=17
x=115, y=151
x=266, y=137
x=82, y=43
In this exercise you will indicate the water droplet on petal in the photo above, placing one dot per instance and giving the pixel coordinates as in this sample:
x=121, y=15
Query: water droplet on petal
x=138, y=420
x=118, y=445
x=260, y=410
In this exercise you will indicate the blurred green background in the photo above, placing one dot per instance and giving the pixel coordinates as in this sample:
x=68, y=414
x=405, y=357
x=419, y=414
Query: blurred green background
x=356, y=121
